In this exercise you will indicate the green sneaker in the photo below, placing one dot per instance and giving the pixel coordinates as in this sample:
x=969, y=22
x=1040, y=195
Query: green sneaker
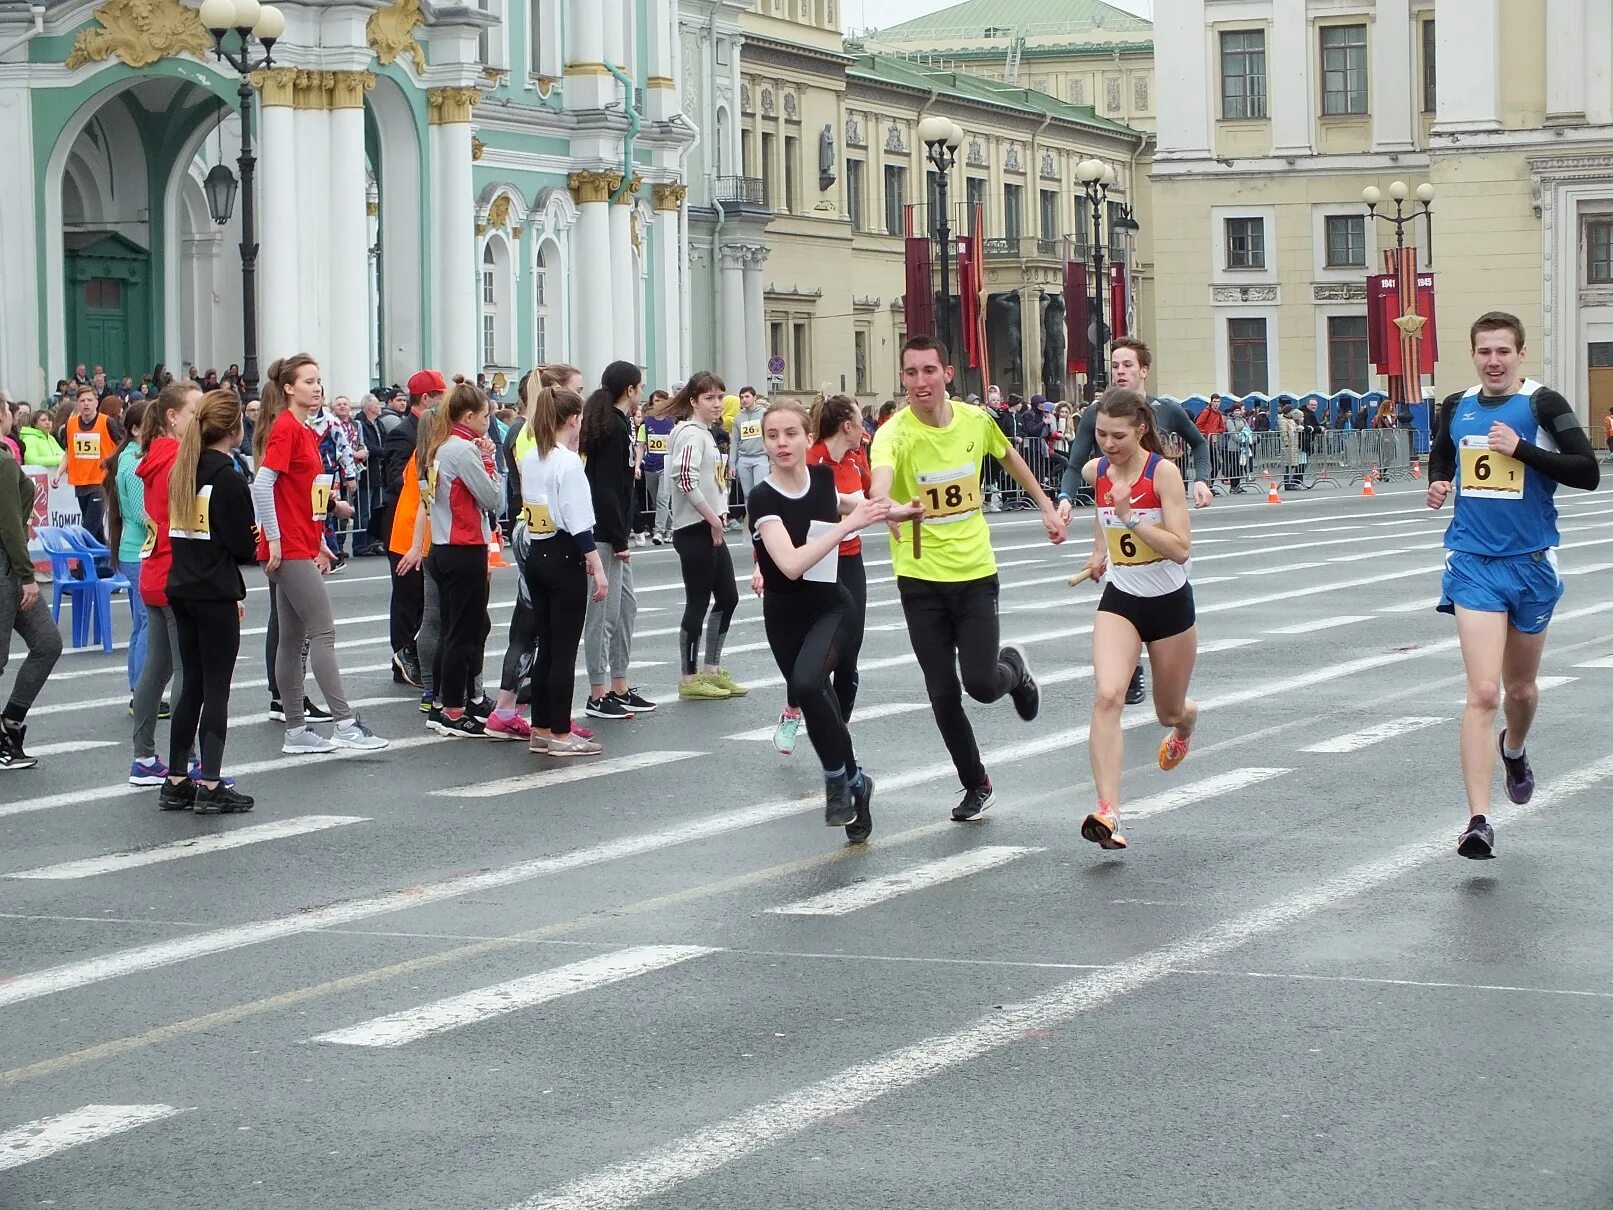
x=721, y=679
x=702, y=689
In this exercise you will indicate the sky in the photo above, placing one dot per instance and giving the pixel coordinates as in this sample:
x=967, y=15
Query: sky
x=860, y=14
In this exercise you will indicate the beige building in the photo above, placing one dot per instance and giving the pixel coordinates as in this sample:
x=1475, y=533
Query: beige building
x=828, y=130
x=1285, y=110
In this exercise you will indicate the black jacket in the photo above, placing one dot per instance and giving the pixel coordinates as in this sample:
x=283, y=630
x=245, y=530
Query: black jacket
x=610, y=476
x=397, y=447
x=207, y=562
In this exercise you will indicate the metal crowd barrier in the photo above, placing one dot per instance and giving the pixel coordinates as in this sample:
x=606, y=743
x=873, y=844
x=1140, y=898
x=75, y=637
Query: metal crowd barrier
x=1331, y=458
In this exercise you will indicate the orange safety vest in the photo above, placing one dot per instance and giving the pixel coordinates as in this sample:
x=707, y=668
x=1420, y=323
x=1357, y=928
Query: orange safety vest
x=85, y=451
x=403, y=517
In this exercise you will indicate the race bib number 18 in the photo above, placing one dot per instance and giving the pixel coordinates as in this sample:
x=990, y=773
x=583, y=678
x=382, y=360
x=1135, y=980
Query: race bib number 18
x=953, y=493
x=1488, y=474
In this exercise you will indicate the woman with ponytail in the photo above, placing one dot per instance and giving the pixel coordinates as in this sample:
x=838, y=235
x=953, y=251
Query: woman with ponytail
x=126, y=528
x=163, y=425
x=210, y=530
x=291, y=496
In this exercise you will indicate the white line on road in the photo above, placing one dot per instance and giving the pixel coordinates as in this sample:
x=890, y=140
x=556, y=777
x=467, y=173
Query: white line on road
x=1321, y=624
x=68, y=747
x=1395, y=728
x=412, y=1024
x=584, y=770
x=1409, y=606
x=47, y=1136
x=1605, y=662
x=1377, y=554
x=1585, y=571
x=858, y=895
x=1277, y=571
x=861, y=716
x=191, y=847
x=18, y=989
x=1199, y=791
x=1542, y=684
x=1215, y=645
x=746, y=1134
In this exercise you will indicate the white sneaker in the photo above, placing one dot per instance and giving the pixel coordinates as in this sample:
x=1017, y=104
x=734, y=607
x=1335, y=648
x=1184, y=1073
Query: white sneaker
x=573, y=745
x=302, y=742
x=354, y=734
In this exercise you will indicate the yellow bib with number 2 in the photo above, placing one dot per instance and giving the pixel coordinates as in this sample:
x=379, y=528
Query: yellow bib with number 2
x=947, y=494
x=537, y=518
x=1489, y=474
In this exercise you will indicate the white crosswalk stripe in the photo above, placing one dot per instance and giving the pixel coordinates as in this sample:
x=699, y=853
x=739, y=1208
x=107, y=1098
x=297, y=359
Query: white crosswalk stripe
x=887, y=710
x=845, y=900
x=1605, y=661
x=1394, y=728
x=1322, y=625
x=564, y=774
x=1199, y=791
x=47, y=1136
x=410, y=1025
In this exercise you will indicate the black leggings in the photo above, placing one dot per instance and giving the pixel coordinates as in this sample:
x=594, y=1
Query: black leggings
x=708, y=576
x=209, y=641
x=854, y=579
x=408, y=603
x=954, y=629
x=460, y=573
x=521, y=649
x=809, y=632
x=557, y=581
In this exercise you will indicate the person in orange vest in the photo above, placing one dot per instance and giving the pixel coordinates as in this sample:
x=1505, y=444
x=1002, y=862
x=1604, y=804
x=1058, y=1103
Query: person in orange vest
x=1607, y=427
x=90, y=438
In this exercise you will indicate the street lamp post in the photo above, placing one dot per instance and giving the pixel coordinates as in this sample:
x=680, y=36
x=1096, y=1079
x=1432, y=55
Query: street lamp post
x=248, y=18
x=941, y=138
x=1096, y=177
x=1372, y=196
x=1410, y=323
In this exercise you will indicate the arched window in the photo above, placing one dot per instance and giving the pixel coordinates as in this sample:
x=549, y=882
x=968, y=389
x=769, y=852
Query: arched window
x=498, y=305
x=723, y=135
x=543, y=304
x=489, y=305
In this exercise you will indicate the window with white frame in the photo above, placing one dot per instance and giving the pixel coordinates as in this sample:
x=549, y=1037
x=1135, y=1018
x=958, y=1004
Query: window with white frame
x=544, y=265
x=543, y=37
x=489, y=276
x=1599, y=252
x=1246, y=243
x=1346, y=241
x=1344, y=69
x=492, y=44
x=1243, y=73
x=1247, y=356
x=497, y=306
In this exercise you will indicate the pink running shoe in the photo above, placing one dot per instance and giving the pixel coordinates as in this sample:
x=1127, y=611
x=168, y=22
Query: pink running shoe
x=512, y=728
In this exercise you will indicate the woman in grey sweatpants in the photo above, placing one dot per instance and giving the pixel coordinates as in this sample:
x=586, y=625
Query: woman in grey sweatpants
x=22, y=607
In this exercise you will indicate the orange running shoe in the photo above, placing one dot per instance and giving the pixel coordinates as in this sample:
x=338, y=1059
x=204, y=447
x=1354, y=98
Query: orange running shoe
x=1173, y=751
x=1102, y=828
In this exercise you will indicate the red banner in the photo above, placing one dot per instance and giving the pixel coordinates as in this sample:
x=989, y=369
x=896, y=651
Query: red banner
x=1117, y=300
x=1077, y=318
x=919, y=304
x=971, y=286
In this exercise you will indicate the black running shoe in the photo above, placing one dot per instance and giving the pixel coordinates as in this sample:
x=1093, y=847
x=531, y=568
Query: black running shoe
x=974, y=802
x=1137, y=690
x=1027, y=697
x=12, y=758
x=1519, y=777
x=481, y=710
x=610, y=706
x=221, y=800
x=839, y=805
x=164, y=710
x=277, y=711
x=466, y=726
x=316, y=714
x=1478, y=842
x=635, y=701
x=863, y=797
x=181, y=797
x=406, y=668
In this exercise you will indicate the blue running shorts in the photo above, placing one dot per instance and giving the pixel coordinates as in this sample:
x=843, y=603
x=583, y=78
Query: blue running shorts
x=1524, y=587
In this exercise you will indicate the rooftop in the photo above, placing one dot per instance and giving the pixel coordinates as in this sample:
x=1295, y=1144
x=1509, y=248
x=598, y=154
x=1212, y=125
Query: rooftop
x=1063, y=20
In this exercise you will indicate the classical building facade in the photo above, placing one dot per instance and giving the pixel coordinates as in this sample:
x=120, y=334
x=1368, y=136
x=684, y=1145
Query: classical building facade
x=824, y=175
x=1283, y=111
x=478, y=188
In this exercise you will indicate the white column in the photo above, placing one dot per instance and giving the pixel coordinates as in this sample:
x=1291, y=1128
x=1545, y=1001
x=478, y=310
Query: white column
x=21, y=375
x=346, y=355
x=454, y=265
x=279, y=296
x=660, y=95
x=592, y=273
x=734, y=366
x=1467, y=37
x=587, y=84
x=755, y=319
x=311, y=188
x=1598, y=59
x=1566, y=57
x=624, y=282
x=664, y=252
x=1186, y=103
x=1290, y=62
x=1394, y=99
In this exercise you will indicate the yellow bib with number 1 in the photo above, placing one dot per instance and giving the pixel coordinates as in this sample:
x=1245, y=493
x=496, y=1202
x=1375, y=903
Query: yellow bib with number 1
x=1126, y=549
x=947, y=494
x=150, y=544
x=537, y=518
x=1488, y=474
x=321, y=495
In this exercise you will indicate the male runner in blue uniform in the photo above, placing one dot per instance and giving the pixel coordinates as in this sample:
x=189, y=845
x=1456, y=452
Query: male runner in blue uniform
x=1502, y=446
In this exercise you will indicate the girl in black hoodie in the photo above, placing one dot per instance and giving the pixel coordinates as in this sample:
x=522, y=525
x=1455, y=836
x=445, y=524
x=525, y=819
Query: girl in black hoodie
x=210, y=524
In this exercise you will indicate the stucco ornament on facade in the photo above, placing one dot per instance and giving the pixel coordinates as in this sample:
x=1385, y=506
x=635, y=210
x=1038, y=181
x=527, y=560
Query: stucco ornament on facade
x=390, y=32
x=139, y=32
x=1339, y=292
x=1013, y=161
x=792, y=107
x=977, y=154
x=1244, y=294
x=894, y=139
x=854, y=132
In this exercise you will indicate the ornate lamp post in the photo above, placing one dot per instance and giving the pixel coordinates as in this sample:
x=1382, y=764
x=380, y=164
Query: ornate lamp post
x=1096, y=177
x=249, y=19
x=941, y=138
x=1409, y=322
x=1372, y=196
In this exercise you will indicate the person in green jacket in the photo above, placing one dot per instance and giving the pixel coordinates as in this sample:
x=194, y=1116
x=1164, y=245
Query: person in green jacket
x=22, y=608
x=39, y=447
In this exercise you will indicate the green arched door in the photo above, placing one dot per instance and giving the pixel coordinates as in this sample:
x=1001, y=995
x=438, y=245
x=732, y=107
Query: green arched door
x=108, y=304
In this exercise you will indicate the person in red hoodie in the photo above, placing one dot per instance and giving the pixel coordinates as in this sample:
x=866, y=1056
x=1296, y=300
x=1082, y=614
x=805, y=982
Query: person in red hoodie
x=164, y=424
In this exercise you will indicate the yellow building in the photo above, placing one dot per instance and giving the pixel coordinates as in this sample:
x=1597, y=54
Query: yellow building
x=829, y=131
x=1287, y=109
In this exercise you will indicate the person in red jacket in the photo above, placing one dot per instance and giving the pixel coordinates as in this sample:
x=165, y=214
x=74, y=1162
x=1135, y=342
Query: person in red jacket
x=164, y=424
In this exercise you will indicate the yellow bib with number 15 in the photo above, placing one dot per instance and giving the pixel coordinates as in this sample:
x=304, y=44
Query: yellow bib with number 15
x=1489, y=474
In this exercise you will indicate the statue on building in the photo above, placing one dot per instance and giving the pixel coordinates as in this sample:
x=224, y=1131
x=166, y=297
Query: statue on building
x=826, y=157
x=1053, y=346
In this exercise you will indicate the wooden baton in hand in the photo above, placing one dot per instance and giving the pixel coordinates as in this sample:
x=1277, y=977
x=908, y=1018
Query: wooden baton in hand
x=1080, y=577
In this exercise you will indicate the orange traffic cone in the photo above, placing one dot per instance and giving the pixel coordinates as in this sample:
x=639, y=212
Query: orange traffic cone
x=1366, y=485
x=1271, y=496
x=1416, y=468
x=495, y=552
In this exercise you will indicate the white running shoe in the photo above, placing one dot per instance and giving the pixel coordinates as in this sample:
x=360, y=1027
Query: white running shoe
x=354, y=734
x=301, y=741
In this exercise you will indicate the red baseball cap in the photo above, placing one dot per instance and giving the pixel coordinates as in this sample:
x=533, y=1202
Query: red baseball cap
x=426, y=382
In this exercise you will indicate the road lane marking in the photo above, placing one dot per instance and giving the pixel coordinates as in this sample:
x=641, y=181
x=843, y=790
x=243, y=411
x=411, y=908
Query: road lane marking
x=860, y=716
x=1321, y=624
x=1585, y=571
x=564, y=774
x=849, y=1091
x=412, y=1024
x=844, y=900
x=43, y=1138
x=69, y=976
x=1215, y=645
x=1409, y=606
x=1199, y=791
x=1276, y=571
x=1542, y=684
x=1605, y=662
x=194, y=846
x=1395, y=728
x=68, y=747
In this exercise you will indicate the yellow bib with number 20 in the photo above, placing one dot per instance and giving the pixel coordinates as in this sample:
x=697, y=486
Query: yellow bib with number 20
x=953, y=493
x=1489, y=474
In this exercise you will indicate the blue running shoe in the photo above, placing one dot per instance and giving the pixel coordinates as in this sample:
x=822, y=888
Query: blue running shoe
x=148, y=772
x=1520, y=778
x=1478, y=842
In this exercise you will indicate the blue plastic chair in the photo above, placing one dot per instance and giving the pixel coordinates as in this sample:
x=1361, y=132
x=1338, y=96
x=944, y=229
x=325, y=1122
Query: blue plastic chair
x=91, y=593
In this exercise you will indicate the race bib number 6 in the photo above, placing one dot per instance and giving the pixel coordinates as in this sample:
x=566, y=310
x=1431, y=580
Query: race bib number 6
x=1126, y=549
x=321, y=495
x=947, y=494
x=1488, y=474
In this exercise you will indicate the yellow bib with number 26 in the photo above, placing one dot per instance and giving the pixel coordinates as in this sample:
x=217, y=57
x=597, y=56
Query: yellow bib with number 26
x=1489, y=474
x=950, y=493
x=537, y=518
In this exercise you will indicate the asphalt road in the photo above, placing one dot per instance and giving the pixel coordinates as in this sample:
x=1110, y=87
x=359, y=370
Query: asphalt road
x=454, y=975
